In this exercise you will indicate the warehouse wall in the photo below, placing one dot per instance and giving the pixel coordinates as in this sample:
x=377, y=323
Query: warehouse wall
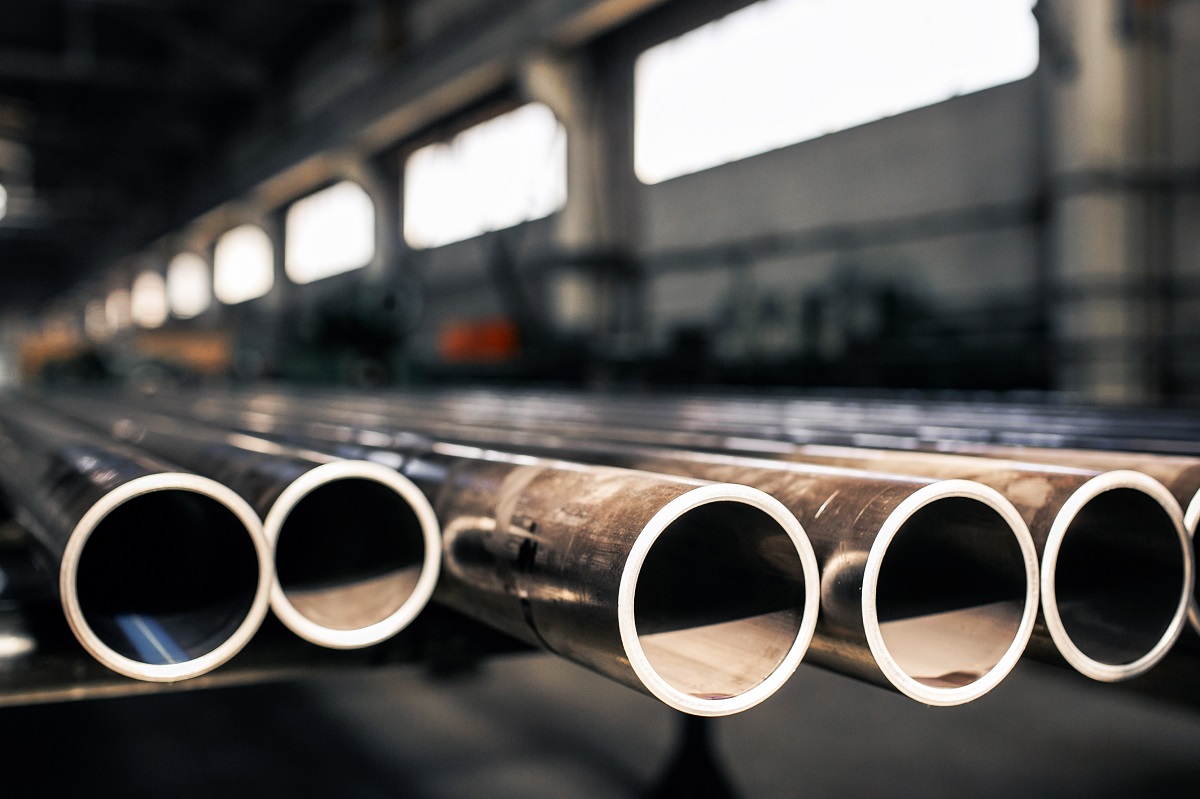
x=934, y=202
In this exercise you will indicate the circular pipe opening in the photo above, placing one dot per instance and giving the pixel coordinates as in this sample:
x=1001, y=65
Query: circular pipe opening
x=357, y=548
x=165, y=578
x=1191, y=519
x=950, y=593
x=718, y=601
x=1116, y=577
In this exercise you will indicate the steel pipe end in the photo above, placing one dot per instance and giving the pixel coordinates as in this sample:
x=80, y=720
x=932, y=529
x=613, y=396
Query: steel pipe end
x=1191, y=519
x=718, y=600
x=1117, y=576
x=357, y=553
x=950, y=592
x=167, y=577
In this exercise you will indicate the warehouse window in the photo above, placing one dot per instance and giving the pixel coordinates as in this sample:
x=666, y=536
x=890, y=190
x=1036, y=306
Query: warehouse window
x=330, y=232
x=189, y=285
x=502, y=172
x=117, y=311
x=148, y=299
x=784, y=71
x=95, y=320
x=243, y=265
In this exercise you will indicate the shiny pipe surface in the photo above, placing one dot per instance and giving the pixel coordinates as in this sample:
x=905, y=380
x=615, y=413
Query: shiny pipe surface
x=842, y=421
x=1117, y=567
x=1123, y=599
x=952, y=428
x=929, y=588
x=703, y=595
x=148, y=605
x=356, y=547
x=1180, y=475
x=1124, y=596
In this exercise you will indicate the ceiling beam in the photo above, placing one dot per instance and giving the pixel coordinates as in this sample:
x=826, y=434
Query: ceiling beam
x=402, y=98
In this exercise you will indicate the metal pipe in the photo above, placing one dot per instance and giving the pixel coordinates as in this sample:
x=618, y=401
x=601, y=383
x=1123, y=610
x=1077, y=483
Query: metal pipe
x=898, y=424
x=1181, y=476
x=356, y=546
x=704, y=596
x=1117, y=568
x=1123, y=600
x=928, y=587
x=162, y=574
x=820, y=421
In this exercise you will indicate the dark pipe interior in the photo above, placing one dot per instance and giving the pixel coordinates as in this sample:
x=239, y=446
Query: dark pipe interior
x=951, y=592
x=349, y=553
x=719, y=600
x=1119, y=576
x=167, y=577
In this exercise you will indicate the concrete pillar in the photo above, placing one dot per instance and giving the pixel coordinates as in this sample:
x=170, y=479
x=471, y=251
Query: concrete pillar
x=1105, y=147
x=596, y=293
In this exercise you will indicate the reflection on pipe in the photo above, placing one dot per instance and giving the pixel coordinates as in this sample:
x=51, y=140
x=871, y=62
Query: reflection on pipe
x=357, y=554
x=949, y=594
x=357, y=545
x=162, y=575
x=702, y=595
x=1117, y=575
x=945, y=650
x=718, y=600
x=165, y=599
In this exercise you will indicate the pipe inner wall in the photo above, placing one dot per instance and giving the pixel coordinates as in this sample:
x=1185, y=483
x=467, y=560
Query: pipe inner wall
x=357, y=553
x=950, y=593
x=718, y=603
x=1117, y=581
x=165, y=584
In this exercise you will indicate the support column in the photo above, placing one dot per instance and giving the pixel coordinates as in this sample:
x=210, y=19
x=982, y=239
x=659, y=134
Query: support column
x=1105, y=149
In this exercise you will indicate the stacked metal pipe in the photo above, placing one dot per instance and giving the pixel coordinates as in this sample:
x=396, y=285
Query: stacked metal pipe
x=693, y=635
x=942, y=641
x=683, y=546
x=147, y=604
x=1124, y=597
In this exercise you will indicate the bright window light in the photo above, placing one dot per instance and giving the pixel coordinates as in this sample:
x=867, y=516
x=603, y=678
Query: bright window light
x=500, y=173
x=148, y=300
x=243, y=265
x=784, y=71
x=330, y=232
x=95, y=321
x=189, y=285
x=3, y=201
x=117, y=311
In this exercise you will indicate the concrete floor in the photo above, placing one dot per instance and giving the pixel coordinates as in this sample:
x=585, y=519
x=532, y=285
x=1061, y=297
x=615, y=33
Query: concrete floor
x=532, y=726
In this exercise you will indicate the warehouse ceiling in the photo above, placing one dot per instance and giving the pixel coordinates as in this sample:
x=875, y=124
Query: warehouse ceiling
x=121, y=121
x=106, y=104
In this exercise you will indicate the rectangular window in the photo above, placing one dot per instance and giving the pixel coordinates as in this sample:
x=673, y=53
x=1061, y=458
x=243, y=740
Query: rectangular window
x=502, y=172
x=330, y=232
x=783, y=71
x=243, y=265
x=148, y=299
x=189, y=285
